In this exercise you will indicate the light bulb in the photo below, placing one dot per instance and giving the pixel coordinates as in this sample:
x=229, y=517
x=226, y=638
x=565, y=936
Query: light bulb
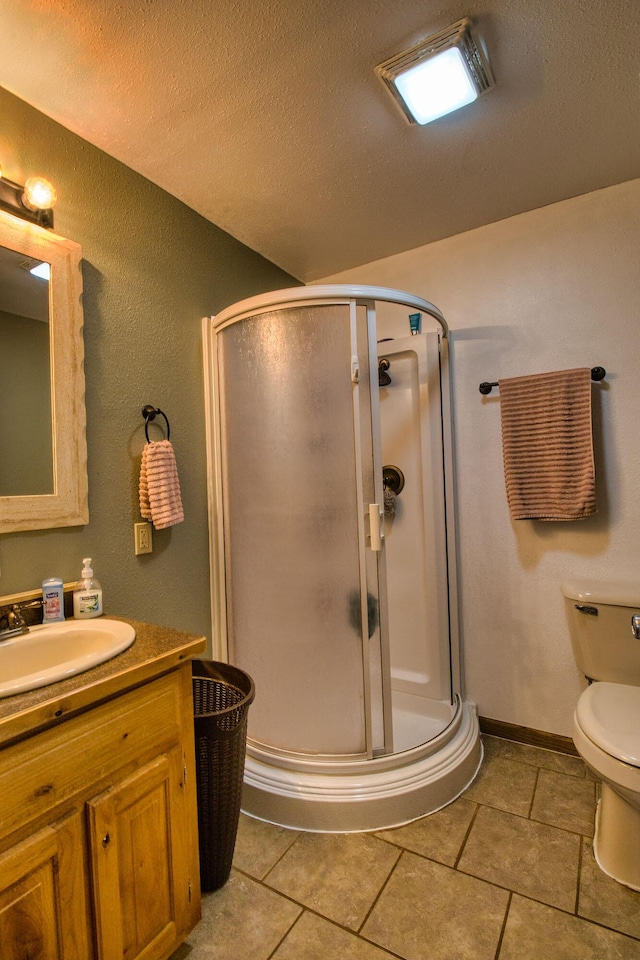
x=437, y=86
x=39, y=194
x=42, y=271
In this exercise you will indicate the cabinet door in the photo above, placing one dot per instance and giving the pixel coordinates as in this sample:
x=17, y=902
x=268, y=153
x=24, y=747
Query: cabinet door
x=43, y=903
x=142, y=890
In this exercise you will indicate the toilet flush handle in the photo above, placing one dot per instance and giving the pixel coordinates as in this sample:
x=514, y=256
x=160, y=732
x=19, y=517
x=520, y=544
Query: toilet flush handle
x=635, y=625
x=585, y=608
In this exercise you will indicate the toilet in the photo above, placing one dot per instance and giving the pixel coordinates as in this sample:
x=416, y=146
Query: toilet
x=606, y=725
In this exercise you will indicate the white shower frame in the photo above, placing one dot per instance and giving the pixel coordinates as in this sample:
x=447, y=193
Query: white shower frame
x=446, y=766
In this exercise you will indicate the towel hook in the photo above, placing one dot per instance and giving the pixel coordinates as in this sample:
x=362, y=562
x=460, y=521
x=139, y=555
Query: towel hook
x=149, y=413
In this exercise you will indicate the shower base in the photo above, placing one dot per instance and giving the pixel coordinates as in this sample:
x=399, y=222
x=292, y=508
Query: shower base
x=347, y=797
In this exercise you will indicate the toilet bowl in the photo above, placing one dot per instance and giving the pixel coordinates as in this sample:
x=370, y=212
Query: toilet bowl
x=606, y=726
x=606, y=733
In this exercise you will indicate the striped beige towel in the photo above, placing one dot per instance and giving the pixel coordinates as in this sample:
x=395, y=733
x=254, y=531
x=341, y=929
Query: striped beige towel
x=547, y=445
x=159, y=488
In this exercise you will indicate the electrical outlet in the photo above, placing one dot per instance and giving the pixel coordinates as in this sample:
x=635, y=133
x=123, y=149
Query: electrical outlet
x=143, y=542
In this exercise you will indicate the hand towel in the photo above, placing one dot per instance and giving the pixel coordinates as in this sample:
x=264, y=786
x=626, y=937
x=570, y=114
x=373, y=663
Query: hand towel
x=547, y=445
x=159, y=488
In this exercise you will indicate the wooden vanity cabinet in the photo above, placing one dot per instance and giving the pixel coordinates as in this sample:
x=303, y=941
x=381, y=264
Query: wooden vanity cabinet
x=43, y=902
x=98, y=831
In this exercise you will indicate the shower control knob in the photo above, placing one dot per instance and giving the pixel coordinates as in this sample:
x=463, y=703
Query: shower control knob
x=393, y=478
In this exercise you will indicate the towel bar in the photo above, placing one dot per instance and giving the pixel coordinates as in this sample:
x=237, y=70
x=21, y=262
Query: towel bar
x=150, y=413
x=597, y=373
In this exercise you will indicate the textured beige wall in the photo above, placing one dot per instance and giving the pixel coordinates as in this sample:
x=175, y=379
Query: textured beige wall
x=151, y=269
x=555, y=288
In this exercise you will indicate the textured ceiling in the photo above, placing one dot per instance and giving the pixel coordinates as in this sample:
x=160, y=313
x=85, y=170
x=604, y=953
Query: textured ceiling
x=266, y=117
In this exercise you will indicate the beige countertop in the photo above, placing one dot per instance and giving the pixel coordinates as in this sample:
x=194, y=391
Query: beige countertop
x=154, y=651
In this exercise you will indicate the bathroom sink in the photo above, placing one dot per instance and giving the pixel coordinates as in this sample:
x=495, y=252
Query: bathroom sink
x=54, y=651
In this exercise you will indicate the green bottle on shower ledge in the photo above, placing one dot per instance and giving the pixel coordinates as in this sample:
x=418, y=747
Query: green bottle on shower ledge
x=87, y=594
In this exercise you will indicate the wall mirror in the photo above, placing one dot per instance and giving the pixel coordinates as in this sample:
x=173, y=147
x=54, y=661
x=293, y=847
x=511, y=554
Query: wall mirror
x=43, y=457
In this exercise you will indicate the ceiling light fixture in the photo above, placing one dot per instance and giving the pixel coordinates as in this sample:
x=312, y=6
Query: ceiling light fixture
x=438, y=75
x=32, y=202
x=42, y=271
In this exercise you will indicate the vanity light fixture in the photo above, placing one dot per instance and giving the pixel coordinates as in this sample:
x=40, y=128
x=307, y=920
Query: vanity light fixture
x=440, y=74
x=32, y=202
x=39, y=194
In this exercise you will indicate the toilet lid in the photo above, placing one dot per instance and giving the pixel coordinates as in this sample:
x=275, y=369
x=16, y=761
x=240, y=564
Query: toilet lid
x=609, y=714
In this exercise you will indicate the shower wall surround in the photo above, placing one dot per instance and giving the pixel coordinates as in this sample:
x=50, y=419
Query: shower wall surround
x=345, y=618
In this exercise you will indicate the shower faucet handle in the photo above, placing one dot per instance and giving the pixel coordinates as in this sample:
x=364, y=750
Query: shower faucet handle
x=635, y=625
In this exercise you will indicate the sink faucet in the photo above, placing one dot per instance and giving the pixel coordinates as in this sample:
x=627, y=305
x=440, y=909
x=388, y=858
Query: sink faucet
x=15, y=621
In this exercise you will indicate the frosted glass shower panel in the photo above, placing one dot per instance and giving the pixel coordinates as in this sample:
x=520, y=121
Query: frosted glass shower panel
x=290, y=504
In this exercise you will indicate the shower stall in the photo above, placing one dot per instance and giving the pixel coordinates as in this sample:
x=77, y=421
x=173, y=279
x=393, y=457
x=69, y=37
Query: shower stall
x=333, y=554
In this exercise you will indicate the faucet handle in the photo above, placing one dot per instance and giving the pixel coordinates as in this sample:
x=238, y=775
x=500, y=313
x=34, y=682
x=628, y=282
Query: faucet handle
x=15, y=617
x=635, y=626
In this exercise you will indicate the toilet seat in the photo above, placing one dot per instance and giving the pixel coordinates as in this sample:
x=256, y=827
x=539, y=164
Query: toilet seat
x=609, y=715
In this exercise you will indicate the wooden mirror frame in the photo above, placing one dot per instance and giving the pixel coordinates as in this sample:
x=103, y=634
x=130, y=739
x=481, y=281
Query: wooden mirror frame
x=67, y=506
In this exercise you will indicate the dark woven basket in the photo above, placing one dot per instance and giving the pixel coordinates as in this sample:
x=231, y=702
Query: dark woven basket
x=222, y=695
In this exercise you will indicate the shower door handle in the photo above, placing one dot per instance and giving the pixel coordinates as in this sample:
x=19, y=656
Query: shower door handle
x=376, y=526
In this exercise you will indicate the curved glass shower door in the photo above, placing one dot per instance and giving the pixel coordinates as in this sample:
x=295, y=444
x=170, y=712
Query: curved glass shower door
x=298, y=471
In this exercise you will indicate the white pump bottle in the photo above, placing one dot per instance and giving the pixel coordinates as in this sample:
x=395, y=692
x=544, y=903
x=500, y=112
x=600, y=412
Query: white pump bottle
x=87, y=595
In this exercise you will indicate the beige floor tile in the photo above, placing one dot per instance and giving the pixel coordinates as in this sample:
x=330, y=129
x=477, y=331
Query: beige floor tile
x=439, y=836
x=565, y=802
x=504, y=784
x=547, y=759
x=241, y=921
x=260, y=845
x=491, y=745
x=605, y=900
x=534, y=859
x=313, y=938
x=337, y=875
x=534, y=931
x=429, y=912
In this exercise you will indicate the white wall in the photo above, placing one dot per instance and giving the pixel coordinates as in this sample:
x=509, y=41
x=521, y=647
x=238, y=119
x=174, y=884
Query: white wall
x=554, y=288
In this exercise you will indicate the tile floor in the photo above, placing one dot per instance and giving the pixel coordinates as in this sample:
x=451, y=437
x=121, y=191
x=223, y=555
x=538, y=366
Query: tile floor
x=504, y=873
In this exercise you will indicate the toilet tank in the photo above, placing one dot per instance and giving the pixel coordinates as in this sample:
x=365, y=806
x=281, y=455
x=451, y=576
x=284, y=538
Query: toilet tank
x=599, y=617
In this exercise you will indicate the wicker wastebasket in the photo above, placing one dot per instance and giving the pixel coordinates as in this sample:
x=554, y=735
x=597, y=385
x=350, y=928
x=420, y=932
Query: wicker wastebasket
x=222, y=695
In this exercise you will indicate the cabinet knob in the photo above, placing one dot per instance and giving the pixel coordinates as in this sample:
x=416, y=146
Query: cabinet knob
x=106, y=839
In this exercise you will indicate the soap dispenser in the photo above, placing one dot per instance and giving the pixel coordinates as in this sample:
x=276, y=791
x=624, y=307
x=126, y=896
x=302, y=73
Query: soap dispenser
x=87, y=594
